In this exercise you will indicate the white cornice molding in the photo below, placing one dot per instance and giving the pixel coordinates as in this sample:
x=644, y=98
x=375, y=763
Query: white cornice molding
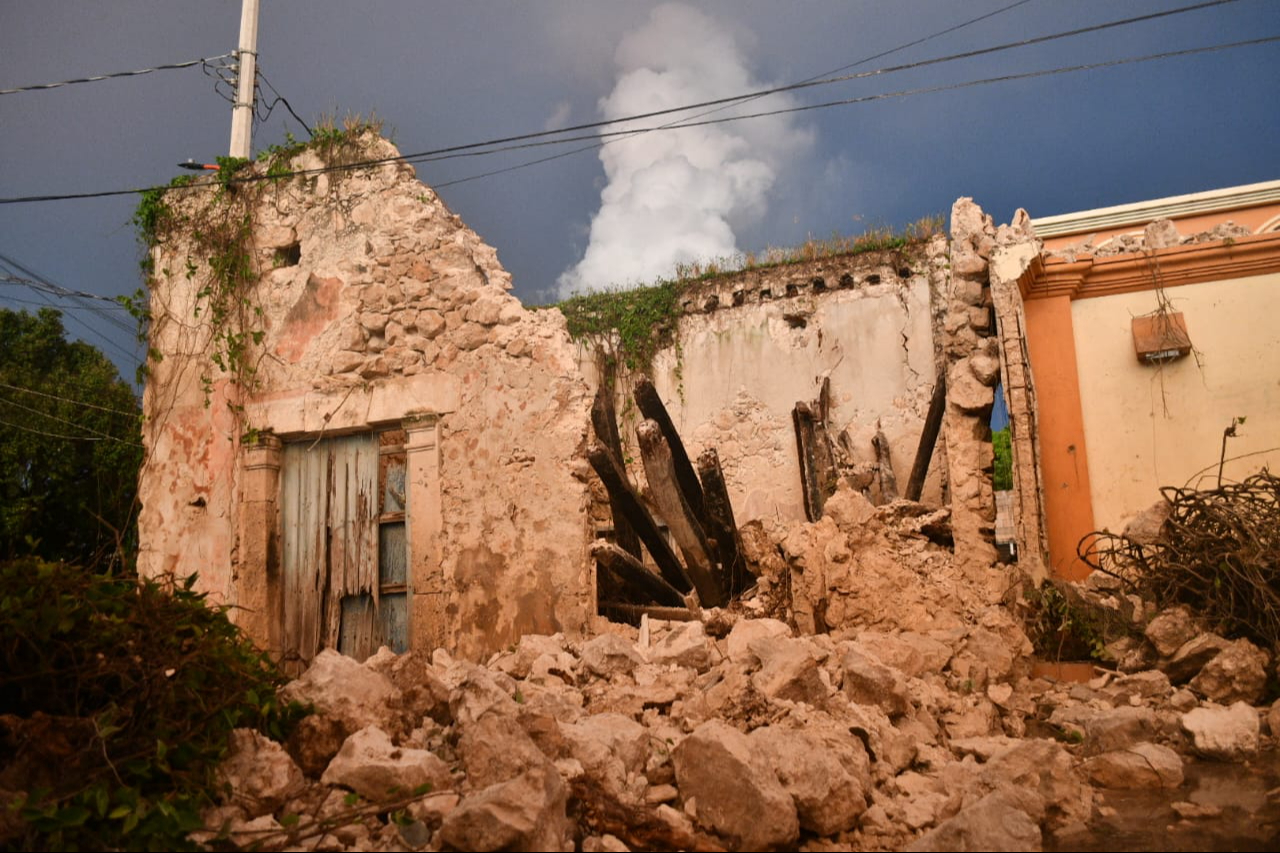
x=1140, y=213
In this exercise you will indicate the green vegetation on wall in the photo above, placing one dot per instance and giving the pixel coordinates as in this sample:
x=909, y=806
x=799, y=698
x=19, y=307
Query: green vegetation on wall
x=1002, y=450
x=627, y=327
x=216, y=233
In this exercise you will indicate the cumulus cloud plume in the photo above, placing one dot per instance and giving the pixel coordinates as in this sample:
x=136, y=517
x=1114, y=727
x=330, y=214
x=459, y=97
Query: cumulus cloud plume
x=678, y=196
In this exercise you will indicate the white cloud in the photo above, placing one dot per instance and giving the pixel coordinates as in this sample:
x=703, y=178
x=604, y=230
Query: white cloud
x=559, y=116
x=680, y=195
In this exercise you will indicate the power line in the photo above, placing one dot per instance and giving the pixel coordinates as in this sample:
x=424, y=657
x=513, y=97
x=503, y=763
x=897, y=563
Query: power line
x=105, y=435
x=280, y=99
x=460, y=150
x=866, y=98
x=67, y=400
x=94, y=79
x=43, y=285
x=863, y=61
x=47, y=287
x=56, y=435
x=58, y=291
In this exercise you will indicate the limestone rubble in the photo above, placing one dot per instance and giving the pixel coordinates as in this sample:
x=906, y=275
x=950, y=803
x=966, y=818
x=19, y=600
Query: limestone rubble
x=912, y=722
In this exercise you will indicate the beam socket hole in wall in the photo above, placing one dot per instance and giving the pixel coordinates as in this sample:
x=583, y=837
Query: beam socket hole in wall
x=712, y=303
x=819, y=285
x=904, y=272
x=765, y=294
x=288, y=256
x=846, y=280
x=793, y=290
x=874, y=278
x=796, y=321
x=739, y=297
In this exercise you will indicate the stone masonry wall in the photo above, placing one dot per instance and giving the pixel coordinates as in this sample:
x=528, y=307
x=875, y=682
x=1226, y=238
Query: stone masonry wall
x=379, y=308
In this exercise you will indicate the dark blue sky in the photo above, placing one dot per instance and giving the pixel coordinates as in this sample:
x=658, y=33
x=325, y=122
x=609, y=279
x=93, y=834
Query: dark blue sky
x=444, y=73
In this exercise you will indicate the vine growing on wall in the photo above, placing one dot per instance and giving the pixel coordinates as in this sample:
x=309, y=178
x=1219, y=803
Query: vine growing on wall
x=212, y=225
x=626, y=328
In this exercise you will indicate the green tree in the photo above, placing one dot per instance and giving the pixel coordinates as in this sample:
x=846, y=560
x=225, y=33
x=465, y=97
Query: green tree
x=70, y=446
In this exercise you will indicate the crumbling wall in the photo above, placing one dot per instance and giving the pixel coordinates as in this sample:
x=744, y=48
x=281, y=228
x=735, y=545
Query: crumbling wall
x=972, y=354
x=378, y=308
x=750, y=345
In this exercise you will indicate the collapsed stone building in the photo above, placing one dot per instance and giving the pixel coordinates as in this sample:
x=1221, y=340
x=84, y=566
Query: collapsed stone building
x=357, y=437
x=373, y=441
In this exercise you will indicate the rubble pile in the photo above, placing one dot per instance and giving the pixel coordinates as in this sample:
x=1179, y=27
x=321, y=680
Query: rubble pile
x=888, y=567
x=909, y=720
x=1160, y=234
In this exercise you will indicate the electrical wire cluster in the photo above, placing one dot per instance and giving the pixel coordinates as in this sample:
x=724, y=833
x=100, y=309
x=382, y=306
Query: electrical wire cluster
x=598, y=134
x=191, y=63
x=105, y=308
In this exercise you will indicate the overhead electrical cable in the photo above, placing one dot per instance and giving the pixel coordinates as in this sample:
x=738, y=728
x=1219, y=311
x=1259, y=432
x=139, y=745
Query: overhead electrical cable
x=58, y=291
x=41, y=284
x=472, y=149
x=107, y=409
x=106, y=435
x=43, y=288
x=188, y=64
x=863, y=61
x=54, y=434
x=280, y=99
x=859, y=100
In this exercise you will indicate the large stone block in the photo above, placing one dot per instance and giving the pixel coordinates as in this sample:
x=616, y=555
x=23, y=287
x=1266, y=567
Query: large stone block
x=734, y=788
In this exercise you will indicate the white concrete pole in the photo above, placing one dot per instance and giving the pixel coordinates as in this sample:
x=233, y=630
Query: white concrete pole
x=247, y=61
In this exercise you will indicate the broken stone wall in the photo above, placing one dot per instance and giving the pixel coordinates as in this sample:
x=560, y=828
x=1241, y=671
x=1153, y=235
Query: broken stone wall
x=379, y=309
x=753, y=344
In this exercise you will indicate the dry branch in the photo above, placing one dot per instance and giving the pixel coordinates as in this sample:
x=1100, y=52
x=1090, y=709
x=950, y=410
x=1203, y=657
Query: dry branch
x=1218, y=552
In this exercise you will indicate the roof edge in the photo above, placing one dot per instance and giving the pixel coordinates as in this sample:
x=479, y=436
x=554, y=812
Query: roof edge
x=1246, y=195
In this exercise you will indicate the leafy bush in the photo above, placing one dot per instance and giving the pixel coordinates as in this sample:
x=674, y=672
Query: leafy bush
x=1002, y=450
x=116, y=701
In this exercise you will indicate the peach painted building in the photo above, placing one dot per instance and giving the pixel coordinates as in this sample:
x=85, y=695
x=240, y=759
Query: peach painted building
x=1150, y=326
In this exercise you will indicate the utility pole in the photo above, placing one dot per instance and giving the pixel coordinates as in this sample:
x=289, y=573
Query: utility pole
x=246, y=75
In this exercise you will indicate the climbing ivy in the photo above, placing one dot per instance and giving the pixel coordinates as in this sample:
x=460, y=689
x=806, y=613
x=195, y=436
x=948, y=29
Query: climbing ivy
x=216, y=230
x=627, y=328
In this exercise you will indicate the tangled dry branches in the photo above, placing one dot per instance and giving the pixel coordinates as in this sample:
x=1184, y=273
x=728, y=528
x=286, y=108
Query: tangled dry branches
x=1219, y=553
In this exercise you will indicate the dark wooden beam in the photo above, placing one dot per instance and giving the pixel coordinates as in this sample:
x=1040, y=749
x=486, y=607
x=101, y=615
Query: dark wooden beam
x=685, y=527
x=888, y=480
x=928, y=438
x=615, y=481
x=634, y=575
x=634, y=611
x=802, y=419
x=604, y=420
x=651, y=406
x=721, y=526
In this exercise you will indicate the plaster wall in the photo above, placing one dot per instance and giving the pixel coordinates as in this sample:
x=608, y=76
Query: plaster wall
x=1148, y=426
x=738, y=370
x=741, y=373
